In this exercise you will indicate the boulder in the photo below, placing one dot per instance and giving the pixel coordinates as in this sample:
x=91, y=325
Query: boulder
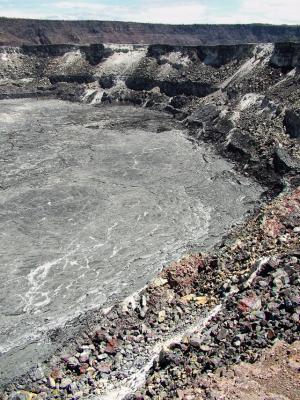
x=107, y=81
x=72, y=363
x=284, y=162
x=203, y=116
x=65, y=383
x=250, y=303
x=241, y=142
x=112, y=346
x=292, y=123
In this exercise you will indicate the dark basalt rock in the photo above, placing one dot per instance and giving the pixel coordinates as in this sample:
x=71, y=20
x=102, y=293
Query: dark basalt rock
x=179, y=101
x=83, y=78
x=286, y=56
x=217, y=56
x=284, y=162
x=224, y=126
x=94, y=53
x=172, y=88
x=241, y=142
x=107, y=81
x=139, y=83
x=158, y=50
x=188, y=87
x=67, y=91
x=203, y=117
x=178, y=114
x=292, y=123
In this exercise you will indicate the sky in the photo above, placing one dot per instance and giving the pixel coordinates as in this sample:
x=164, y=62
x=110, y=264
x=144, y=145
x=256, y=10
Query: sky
x=159, y=11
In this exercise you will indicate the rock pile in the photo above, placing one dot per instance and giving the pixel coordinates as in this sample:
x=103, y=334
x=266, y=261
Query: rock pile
x=251, y=320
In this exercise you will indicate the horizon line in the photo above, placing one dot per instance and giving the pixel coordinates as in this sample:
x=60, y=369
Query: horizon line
x=146, y=23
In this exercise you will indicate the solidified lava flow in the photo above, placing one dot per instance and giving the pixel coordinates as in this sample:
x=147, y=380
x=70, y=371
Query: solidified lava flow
x=95, y=202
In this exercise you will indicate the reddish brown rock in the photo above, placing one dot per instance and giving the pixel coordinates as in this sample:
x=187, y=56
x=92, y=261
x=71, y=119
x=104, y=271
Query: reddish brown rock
x=182, y=275
x=272, y=227
x=83, y=368
x=250, y=303
x=112, y=346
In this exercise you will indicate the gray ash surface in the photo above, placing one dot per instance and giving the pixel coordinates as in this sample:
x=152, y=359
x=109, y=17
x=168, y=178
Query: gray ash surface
x=94, y=202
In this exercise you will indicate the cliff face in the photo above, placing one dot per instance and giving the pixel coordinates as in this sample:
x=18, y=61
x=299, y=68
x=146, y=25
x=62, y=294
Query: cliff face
x=286, y=55
x=220, y=91
x=174, y=70
x=16, y=32
x=216, y=56
x=117, y=70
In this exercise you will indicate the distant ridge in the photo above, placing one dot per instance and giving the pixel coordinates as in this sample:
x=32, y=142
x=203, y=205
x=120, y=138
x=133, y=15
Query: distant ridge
x=16, y=32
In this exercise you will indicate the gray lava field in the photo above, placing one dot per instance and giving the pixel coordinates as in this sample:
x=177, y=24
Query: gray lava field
x=94, y=202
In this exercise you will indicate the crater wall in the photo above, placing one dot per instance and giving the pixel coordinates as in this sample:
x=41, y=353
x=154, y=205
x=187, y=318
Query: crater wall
x=16, y=32
x=237, y=96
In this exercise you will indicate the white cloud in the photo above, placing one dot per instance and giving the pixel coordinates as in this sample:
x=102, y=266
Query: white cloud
x=157, y=11
x=270, y=11
x=20, y=14
x=187, y=13
x=262, y=11
x=70, y=5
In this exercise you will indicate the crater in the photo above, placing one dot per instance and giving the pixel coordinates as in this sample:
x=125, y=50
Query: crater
x=88, y=216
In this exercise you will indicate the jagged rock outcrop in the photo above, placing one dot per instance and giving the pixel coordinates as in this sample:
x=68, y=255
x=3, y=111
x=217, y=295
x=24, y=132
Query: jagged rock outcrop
x=221, y=55
x=286, y=55
x=16, y=32
x=292, y=123
x=172, y=88
x=215, y=56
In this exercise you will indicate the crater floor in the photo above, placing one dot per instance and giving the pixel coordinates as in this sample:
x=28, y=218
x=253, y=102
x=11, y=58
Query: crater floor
x=93, y=203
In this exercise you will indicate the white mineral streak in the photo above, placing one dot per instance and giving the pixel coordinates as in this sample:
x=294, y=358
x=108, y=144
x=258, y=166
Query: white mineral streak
x=249, y=100
x=136, y=380
x=261, y=56
x=122, y=61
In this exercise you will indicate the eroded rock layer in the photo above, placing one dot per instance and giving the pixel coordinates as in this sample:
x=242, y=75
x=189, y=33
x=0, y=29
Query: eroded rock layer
x=21, y=31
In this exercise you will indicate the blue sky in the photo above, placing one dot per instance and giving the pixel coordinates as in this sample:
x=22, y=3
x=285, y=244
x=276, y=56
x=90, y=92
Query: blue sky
x=164, y=11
